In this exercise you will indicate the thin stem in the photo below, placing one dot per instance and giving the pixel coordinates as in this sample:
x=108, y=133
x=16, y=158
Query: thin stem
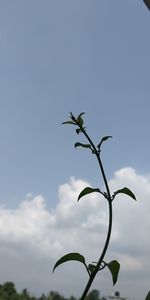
x=89, y=283
x=99, y=162
x=92, y=276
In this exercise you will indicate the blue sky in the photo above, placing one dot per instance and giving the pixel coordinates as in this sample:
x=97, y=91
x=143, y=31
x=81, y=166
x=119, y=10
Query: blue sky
x=61, y=56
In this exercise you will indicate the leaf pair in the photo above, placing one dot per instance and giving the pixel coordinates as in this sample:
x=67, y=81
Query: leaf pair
x=113, y=266
x=88, y=145
x=89, y=190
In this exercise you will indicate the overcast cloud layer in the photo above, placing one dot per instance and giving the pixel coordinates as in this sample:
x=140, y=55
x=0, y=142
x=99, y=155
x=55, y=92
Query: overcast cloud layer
x=32, y=238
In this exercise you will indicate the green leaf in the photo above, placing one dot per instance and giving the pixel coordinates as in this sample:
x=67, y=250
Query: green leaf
x=114, y=268
x=69, y=122
x=126, y=191
x=70, y=256
x=82, y=145
x=86, y=191
x=91, y=268
x=79, y=116
x=78, y=130
x=105, y=138
x=79, y=119
x=148, y=296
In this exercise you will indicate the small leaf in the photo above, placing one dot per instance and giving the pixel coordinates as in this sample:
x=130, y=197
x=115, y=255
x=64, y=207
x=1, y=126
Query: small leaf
x=86, y=191
x=80, y=120
x=82, y=145
x=114, y=267
x=126, y=191
x=69, y=122
x=70, y=256
x=78, y=130
x=91, y=268
x=105, y=138
x=148, y=296
x=79, y=116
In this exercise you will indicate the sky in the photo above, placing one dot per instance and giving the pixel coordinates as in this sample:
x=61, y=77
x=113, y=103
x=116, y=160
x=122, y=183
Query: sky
x=79, y=56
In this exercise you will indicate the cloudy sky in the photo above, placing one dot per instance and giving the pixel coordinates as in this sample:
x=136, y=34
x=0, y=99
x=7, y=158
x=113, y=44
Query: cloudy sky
x=56, y=57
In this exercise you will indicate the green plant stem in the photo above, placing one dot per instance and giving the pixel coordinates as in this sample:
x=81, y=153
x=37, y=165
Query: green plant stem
x=92, y=276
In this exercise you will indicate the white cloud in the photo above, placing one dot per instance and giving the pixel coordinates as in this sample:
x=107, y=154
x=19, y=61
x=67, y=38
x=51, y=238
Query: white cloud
x=32, y=238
